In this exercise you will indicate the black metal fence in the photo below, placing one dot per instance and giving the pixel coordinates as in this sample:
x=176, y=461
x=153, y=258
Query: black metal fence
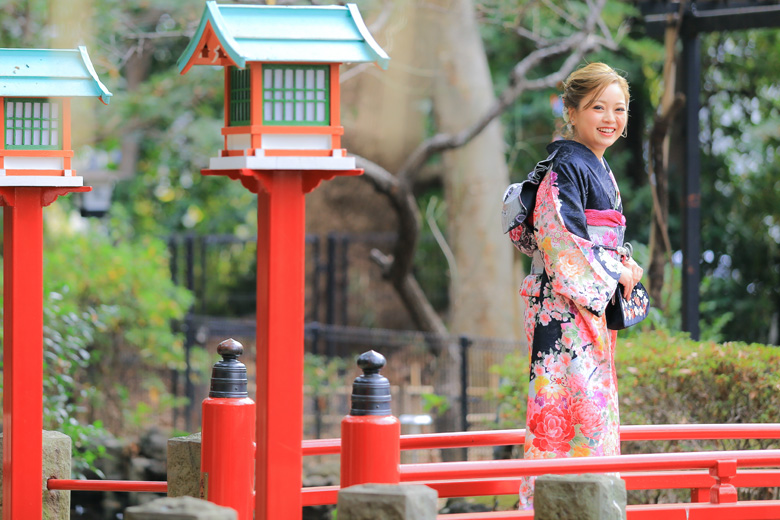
x=409, y=368
x=349, y=309
x=343, y=286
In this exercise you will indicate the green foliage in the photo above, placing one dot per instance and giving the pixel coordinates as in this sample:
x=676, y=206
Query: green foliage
x=435, y=404
x=431, y=267
x=667, y=378
x=108, y=313
x=741, y=239
x=132, y=278
x=323, y=374
x=67, y=333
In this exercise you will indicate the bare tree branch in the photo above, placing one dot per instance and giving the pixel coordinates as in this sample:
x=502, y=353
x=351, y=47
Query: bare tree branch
x=657, y=135
x=401, y=198
x=397, y=268
x=578, y=45
x=562, y=14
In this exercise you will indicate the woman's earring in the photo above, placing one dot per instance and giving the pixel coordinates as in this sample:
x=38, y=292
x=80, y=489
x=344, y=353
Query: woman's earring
x=625, y=132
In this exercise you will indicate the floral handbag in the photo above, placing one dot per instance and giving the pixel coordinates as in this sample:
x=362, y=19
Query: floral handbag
x=622, y=313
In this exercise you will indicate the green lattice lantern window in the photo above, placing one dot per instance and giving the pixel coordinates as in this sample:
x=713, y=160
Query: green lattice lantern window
x=296, y=95
x=33, y=124
x=240, y=97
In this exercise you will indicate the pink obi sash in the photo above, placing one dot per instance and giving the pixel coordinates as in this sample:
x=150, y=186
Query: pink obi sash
x=605, y=217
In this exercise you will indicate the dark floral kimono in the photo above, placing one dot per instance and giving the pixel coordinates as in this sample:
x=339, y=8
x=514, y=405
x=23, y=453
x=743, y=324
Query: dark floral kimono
x=572, y=395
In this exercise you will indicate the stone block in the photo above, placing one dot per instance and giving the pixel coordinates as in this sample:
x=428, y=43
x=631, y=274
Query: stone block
x=180, y=508
x=184, y=466
x=55, y=464
x=57, y=452
x=579, y=497
x=387, y=502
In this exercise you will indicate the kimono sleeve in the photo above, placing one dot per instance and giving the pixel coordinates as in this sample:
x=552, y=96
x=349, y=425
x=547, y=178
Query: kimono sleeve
x=578, y=269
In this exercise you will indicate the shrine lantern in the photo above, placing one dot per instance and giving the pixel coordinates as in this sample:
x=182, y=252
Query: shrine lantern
x=281, y=68
x=36, y=86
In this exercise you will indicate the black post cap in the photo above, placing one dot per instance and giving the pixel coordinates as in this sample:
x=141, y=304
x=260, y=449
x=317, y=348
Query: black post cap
x=371, y=391
x=228, y=377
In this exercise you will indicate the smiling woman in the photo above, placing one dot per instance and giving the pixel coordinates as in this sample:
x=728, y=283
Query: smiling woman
x=602, y=120
x=572, y=396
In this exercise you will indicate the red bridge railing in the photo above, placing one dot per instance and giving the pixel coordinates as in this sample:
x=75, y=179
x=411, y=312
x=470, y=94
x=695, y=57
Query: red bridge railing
x=55, y=484
x=711, y=476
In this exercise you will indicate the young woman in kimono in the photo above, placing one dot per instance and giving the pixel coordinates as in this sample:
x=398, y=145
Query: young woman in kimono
x=572, y=395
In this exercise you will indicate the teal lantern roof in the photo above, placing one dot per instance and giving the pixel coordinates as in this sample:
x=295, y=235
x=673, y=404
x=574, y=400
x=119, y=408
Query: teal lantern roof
x=281, y=34
x=49, y=73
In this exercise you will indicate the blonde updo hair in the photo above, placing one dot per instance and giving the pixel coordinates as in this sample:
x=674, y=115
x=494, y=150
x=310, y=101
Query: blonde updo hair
x=583, y=82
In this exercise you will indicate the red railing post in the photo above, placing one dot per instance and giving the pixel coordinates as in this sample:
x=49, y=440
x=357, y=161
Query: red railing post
x=700, y=495
x=723, y=492
x=228, y=435
x=370, y=435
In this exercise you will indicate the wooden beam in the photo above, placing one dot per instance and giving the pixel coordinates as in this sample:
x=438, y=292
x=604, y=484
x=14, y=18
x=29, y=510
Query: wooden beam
x=704, y=19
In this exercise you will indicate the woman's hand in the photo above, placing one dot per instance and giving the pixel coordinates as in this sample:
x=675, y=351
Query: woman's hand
x=631, y=274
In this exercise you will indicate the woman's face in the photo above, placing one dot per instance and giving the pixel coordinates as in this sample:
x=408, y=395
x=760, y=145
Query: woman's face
x=600, y=125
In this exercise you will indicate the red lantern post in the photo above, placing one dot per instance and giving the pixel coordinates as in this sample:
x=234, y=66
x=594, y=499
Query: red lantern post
x=23, y=346
x=280, y=320
x=282, y=137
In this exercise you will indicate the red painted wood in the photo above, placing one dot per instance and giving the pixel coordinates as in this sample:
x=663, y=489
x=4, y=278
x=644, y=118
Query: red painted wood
x=23, y=354
x=280, y=317
x=627, y=433
x=493, y=515
x=700, y=494
x=128, y=486
x=462, y=439
x=23, y=346
x=644, y=462
x=699, y=479
x=227, y=454
x=321, y=447
x=723, y=492
x=661, y=432
x=754, y=510
x=372, y=450
x=699, y=482
x=315, y=496
x=280, y=320
x=758, y=510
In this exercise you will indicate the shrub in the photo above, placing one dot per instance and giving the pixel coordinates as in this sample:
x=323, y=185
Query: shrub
x=108, y=313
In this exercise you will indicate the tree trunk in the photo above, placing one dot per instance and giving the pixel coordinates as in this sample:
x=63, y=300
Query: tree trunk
x=660, y=247
x=475, y=178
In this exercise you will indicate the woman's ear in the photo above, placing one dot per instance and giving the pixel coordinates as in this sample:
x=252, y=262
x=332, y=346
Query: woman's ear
x=572, y=116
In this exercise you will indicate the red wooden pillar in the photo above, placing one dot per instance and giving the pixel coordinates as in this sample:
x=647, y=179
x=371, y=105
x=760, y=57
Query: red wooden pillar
x=23, y=347
x=280, y=317
x=280, y=320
